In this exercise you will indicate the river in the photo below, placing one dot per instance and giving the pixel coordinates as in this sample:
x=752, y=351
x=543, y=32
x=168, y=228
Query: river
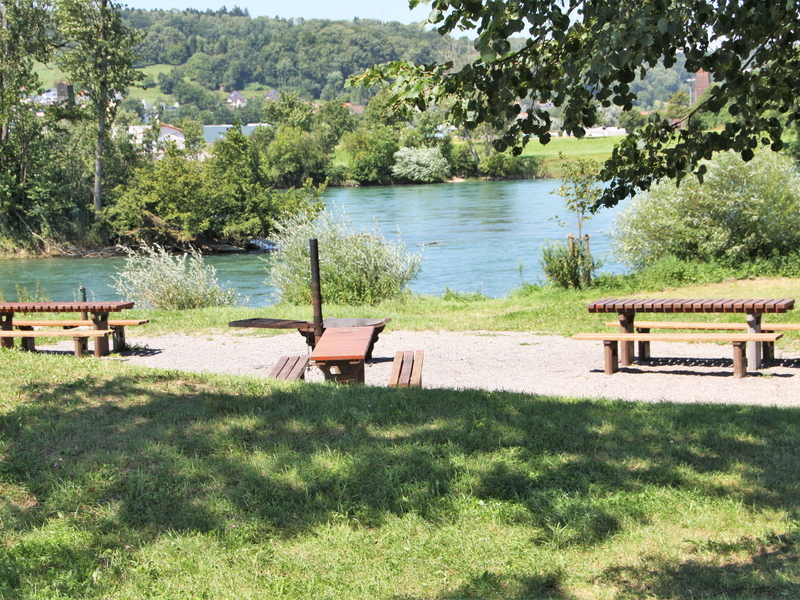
x=472, y=236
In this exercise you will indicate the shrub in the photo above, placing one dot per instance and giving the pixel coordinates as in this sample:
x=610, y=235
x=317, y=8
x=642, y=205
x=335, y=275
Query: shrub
x=568, y=269
x=504, y=166
x=371, y=153
x=462, y=162
x=153, y=278
x=424, y=165
x=355, y=268
x=741, y=212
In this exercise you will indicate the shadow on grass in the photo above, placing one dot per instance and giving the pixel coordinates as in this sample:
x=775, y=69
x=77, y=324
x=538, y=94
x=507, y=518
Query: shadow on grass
x=489, y=585
x=746, y=568
x=168, y=451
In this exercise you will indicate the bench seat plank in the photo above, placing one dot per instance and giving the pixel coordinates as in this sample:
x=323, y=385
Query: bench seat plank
x=766, y=327
x=63, y=333
x=680, y=337
x=407, y=369
x=290, y=368
x=78, y=323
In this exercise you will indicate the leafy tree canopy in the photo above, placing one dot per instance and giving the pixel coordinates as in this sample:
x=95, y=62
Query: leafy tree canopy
x=583, y=54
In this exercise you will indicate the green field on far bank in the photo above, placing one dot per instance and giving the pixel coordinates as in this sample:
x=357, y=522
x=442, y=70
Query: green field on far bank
x=595, y=148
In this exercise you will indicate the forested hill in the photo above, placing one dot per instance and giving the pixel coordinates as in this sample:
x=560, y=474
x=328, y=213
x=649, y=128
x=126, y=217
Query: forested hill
x=231, y=50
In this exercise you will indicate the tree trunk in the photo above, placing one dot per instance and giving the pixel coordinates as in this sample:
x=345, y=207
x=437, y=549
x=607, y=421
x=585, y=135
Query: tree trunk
x=472, y=149
x=102, y=107
x=98, y=162
x=4, y=25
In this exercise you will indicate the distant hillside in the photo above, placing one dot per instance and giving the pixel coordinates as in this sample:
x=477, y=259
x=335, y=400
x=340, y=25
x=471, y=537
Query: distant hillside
x=232, y=51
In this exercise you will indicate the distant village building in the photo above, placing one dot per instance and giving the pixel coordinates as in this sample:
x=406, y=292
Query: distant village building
x=356, y=109
x=65, y=92
x=212, y=133
x=166, y=133
x=273, y=94
x=701, y=82
x=601, y=132
x=62, y=93
x=236, y=100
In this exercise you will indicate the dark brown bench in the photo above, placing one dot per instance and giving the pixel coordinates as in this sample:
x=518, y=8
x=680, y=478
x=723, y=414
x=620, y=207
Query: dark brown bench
x=407, y=369
x=611, y=340
x=768, y=347
x=79, y=335
x=290, y=368
x=117, y=327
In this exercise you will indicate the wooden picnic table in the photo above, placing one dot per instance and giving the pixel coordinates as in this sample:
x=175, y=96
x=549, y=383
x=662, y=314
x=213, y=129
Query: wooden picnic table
x=99, y=312
x=306, y=328
x=752, y=309
x=341, y=352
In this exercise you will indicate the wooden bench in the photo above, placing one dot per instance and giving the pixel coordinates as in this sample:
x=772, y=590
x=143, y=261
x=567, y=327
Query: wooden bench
x=768, y=347
x=341, y=351
x=407, y=369
x=611, y=353
x=117, y=327
x=290, y=368
x=79, y=335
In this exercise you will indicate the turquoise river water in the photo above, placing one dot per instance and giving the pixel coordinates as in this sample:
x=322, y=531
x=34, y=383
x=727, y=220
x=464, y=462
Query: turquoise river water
x=472, y=237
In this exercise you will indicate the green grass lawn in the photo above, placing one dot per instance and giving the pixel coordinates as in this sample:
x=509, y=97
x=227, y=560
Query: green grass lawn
x=598, y=149
x=50, y=75
x=122, y=482
x=126, y=482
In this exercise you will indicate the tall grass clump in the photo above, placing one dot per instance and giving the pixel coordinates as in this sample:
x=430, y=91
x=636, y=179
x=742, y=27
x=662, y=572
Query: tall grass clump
x=741, y=212
x=154, y=278
x=23, y=295
x=567, y=268
x=355, y=268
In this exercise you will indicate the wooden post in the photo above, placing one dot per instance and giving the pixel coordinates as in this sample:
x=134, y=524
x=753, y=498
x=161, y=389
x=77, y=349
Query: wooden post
x=644, y=347
x=626, y=326
x=610, y=355
x=571, y=239
x=316, y=291
x=84, y=317
x=739, y=360
x=754, y=348
x=7, y=324
x=587, y=274
x=100, y=321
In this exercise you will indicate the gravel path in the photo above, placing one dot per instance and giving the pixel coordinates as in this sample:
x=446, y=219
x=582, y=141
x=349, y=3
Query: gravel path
x=520, y=362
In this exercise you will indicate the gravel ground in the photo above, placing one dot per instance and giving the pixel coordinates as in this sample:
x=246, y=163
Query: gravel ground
x=520, y=362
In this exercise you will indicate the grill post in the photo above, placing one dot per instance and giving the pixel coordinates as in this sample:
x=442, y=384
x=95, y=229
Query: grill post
x=316, y=293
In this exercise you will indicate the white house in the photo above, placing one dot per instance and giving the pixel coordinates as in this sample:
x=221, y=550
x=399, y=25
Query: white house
x=166, y=133
x=236, y=100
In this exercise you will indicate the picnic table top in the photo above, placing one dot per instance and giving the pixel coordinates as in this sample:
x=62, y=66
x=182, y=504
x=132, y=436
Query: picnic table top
x=9, y=308
x=263, y=323
x=753, y=306
x=343, y=343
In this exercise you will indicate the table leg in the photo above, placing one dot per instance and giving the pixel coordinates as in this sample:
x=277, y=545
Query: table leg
x=754, y=348
x=100, y=321
x=644, y=347
x=343, y=371
x=6, y=324
x=626, y=348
